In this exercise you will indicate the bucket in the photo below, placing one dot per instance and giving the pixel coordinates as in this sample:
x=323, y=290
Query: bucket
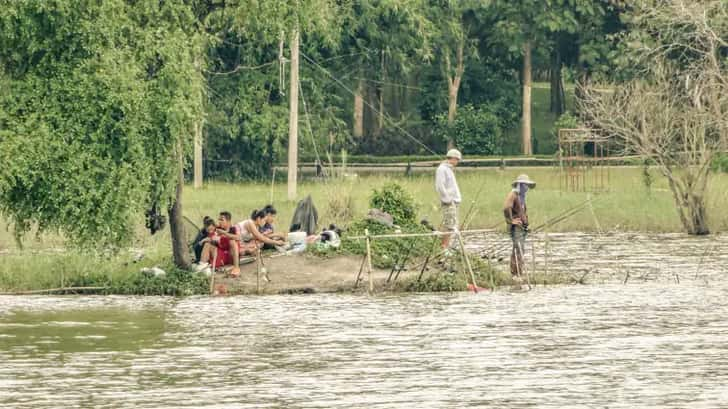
x=296, y=237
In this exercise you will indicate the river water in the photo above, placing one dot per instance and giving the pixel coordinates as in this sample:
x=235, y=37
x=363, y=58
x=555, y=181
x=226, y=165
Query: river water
x=650, y=343
x=635, y=345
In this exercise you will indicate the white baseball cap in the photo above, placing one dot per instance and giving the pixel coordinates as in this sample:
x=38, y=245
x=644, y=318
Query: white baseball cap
x=454, y=153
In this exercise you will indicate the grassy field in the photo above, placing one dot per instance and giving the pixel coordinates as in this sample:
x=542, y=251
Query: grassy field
x=627, y=206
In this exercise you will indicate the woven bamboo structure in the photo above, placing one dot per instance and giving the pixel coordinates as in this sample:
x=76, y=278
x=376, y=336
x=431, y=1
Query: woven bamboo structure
x=583, y=155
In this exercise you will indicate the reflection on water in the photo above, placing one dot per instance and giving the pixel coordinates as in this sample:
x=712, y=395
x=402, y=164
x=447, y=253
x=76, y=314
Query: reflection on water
x=79, y=330
x=639, y=345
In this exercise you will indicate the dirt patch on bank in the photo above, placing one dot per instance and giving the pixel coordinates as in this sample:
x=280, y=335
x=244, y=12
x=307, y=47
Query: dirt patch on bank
x=301, y=274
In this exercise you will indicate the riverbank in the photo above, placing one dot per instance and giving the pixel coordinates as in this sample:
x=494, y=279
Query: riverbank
x=629, y=205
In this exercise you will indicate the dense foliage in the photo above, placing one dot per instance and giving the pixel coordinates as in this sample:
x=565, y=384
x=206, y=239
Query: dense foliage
x=98, y=100
x=476, y=130
x=101, y=99
x=393, y=199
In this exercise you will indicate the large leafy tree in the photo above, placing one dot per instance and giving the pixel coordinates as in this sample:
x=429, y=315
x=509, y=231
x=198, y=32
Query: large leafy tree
x=247, y=124
x=382, y=41
x=96, y=115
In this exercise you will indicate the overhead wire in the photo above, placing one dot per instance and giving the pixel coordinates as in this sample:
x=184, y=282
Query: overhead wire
x=394, y=124
x=308, y=123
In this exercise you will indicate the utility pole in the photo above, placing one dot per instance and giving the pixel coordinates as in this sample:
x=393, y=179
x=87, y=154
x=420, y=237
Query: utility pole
x=526, y=119
x=293, y=121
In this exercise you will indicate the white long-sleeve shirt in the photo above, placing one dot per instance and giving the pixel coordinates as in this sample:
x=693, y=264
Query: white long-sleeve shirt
x=446, y=185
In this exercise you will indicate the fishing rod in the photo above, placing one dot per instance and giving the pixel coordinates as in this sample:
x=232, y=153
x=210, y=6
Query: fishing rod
x=548, y=223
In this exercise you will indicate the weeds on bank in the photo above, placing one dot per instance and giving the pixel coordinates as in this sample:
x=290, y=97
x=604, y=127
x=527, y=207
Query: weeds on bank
x=116, y=274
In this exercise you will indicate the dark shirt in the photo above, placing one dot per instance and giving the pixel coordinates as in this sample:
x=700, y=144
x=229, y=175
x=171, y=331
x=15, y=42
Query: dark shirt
x=514, y=209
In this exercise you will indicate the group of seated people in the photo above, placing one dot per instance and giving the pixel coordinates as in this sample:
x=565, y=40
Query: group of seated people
x=223, y=243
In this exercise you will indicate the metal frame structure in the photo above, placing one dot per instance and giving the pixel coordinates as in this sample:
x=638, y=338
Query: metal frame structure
x=580, y=171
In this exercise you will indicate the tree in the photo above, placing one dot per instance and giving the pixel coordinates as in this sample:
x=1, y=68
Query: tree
x=382, y=42
x=97, y=118
x=676, y=112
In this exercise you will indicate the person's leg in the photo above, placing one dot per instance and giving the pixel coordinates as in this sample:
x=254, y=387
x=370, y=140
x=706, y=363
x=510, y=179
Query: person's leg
x=514, y=263
x=207, y=253
x=235, y=256
x=198, y=252
x=519, y=243
x=449, y=224
x=235, y=253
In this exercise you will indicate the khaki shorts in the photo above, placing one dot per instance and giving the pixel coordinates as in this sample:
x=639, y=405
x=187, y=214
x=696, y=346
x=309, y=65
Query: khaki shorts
x=449, y=217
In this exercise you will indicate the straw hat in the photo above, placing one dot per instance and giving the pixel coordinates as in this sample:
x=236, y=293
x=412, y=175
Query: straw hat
x=454, y=153
x=525, y=180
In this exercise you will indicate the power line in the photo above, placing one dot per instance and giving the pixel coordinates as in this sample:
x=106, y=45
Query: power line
x=394, y=84
x=306, y=57
x=242, y=67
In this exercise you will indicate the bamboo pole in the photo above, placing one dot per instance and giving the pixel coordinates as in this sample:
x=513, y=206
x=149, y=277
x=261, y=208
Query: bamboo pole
x=55, y=290
x=369, y=262
x=407, y=235
x=361, y=268
x=257, y=272
x=212, y=275
x=467, y=262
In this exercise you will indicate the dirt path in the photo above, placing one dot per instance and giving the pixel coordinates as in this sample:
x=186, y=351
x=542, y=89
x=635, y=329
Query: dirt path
x=301, y=274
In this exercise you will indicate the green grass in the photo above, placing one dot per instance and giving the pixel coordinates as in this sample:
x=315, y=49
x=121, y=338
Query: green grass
x=627, y=206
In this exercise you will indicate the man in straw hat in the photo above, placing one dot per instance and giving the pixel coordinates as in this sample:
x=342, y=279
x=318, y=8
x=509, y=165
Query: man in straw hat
x=516, y=215
x=447, y=188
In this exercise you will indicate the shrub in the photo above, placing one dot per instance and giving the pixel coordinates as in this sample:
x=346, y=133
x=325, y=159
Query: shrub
x=393, y=199
x=476, y=130
x=387, y=252
x=720, y=163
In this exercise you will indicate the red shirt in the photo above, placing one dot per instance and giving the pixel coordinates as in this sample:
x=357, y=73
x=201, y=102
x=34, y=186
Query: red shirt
x=224, y=243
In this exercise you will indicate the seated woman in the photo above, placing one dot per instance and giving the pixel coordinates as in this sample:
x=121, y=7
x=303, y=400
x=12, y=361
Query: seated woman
x=251, y=237
x=268, y=229
x=206, y=234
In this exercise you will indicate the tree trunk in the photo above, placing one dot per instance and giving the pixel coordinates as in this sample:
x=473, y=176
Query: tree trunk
x=180, y=252
x=359, y=110
x=690, y=205
x=453, y=82
x=380, y=96
x=526, y=119
x=558, y=105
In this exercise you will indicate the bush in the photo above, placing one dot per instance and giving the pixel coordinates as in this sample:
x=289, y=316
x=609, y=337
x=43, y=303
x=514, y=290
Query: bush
x=393, y=199
x=476, y=130
x=720, y=163
x=387, y=252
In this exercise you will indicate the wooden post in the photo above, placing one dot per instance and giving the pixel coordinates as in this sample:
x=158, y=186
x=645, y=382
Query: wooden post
x=533, y=258
x=293, y=122
x=361, y=268
x=467, y=262
x=198, y=156
x=212, y=276
x=369, y=262
x=526, y=118
x=257, y=272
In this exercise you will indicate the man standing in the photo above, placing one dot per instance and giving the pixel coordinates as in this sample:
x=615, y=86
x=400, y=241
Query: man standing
x=447, y=188
x=516, y=215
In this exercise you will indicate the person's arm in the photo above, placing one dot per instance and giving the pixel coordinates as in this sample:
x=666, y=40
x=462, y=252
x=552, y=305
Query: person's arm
x=232, y=236
x=508, y=208
x=441, y=185
x=257, y=235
